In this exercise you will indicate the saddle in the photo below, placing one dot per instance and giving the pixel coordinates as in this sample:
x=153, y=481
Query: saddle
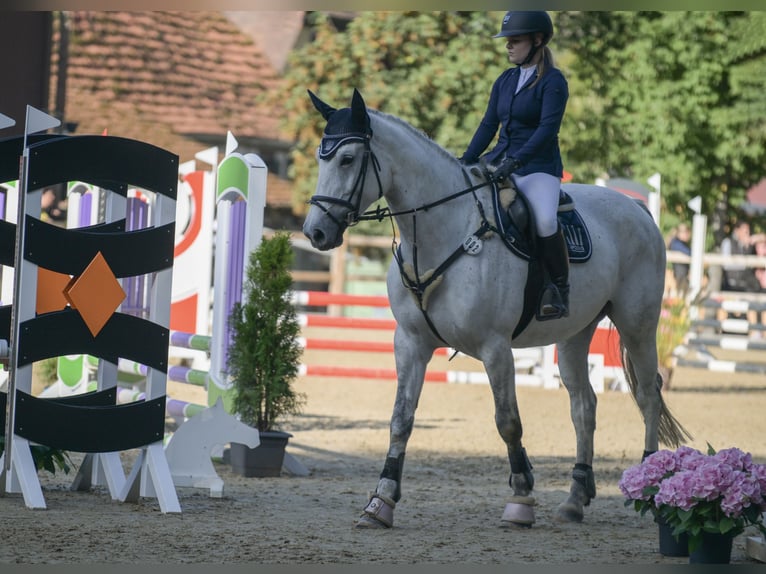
x=517, y=230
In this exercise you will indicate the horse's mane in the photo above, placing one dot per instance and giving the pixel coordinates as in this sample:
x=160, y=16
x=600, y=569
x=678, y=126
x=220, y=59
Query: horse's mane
x=414, y=131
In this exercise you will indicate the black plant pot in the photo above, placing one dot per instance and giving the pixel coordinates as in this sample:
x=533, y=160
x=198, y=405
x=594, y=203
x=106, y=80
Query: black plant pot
x=669, y=544
x=262, y=461
x=714, y=549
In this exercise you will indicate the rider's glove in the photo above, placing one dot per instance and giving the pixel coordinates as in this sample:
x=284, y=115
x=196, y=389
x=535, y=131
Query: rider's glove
x=505, y=169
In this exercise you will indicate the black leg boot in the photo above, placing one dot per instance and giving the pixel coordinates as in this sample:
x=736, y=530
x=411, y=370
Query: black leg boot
x=554, y=302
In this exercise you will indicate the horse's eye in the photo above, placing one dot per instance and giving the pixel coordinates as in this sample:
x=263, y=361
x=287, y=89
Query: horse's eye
x=347, y=159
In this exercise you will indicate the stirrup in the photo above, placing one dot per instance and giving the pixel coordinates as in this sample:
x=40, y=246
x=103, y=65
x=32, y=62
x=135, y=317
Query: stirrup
x=552, y=305
x=555, y=313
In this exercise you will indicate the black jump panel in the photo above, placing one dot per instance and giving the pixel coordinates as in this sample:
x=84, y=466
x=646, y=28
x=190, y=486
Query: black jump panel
x=65, y=333
x=7, y=243
x=71, y=250
x=10, y=161
x=5, y=322
x=93, y=159
x=81, y=428
x=104, y=398
x=10, y=154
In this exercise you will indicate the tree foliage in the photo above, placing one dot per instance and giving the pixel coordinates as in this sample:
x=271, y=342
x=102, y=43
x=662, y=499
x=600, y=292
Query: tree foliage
x=679, y=93
x=429, y=68
x=265, y=353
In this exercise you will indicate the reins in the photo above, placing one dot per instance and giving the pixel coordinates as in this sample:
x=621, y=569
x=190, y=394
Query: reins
x=416, y=285
x=381, y=213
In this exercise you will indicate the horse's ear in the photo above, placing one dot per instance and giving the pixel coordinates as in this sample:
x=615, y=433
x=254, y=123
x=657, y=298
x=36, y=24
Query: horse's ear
x=359, y=115
x=323, y=108
x=357, y=101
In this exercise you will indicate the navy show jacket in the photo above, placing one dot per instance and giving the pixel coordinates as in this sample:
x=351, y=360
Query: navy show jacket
x=529, y=122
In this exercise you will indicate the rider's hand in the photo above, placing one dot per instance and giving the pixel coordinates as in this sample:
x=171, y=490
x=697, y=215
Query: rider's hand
x=505, y=169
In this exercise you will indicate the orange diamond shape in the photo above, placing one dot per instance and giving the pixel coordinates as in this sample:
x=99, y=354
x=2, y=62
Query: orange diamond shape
x=96, y=294
x=50, y=291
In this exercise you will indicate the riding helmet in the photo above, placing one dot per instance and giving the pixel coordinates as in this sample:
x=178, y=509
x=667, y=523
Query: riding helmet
x=526, y=22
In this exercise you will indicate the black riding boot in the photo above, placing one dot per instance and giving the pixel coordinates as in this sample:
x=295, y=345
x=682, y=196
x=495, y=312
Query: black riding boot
x=554, y=302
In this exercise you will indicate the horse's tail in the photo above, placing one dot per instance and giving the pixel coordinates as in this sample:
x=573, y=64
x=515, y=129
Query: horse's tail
x=670, y=431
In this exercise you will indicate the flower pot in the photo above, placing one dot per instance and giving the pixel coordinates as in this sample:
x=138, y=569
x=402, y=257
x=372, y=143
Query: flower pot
x=262, y=461
x=669, y=545
x=714, y=549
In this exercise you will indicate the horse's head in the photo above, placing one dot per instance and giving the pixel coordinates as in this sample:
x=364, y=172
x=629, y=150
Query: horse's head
x=343, y=188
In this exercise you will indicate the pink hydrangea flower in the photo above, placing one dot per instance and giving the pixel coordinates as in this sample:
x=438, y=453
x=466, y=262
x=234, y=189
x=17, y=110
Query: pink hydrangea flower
x=663, y=460
x=677, y=490
x=637, y=478
x=706, y=487
x=690, y=459
x=735, y=458
x=742, y=492
x=758, y=471
x=712, y=479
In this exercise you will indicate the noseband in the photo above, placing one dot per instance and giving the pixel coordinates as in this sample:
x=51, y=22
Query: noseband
x=327, y=149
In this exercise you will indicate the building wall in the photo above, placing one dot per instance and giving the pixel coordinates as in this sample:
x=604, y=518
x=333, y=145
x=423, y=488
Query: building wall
x=25, y=46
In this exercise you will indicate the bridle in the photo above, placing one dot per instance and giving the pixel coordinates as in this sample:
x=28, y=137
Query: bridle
x=328, y=148
x=330, y=145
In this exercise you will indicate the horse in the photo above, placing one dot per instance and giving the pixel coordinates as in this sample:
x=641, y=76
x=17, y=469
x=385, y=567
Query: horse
x=454, y=282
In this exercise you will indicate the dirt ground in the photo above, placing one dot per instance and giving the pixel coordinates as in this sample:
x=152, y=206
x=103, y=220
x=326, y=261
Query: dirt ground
x=454, y=485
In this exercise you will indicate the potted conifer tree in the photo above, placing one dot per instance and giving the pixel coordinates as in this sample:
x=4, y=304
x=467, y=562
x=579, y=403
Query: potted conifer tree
x=264, y=357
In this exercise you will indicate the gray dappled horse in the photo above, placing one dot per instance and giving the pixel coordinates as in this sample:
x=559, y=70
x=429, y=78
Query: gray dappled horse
x=455, y=282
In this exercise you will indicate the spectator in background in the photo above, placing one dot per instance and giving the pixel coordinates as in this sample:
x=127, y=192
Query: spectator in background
x=52, y=209
x=680, y=242
x=741, y=242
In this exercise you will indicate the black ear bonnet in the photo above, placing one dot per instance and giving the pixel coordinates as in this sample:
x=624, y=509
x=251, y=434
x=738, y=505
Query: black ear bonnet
x=343, y=126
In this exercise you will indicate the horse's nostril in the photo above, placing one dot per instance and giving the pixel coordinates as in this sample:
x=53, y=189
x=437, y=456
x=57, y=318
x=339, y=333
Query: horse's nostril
x=317, y=237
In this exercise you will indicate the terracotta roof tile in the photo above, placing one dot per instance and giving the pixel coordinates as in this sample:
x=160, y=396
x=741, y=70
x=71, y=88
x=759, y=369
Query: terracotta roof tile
x=169, y=78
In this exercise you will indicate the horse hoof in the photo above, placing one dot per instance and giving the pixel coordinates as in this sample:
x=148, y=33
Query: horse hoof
x=367, y=522
x=519, y=512
x=379, y=513
x=569, y=513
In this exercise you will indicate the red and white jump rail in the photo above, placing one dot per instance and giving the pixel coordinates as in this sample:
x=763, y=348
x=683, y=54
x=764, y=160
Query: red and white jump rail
x=604, y=360
x=463, y=377
x=323, y=299
x=375, y=324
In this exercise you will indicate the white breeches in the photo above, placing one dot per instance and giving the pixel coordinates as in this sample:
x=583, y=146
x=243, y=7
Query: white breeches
x=542, y=192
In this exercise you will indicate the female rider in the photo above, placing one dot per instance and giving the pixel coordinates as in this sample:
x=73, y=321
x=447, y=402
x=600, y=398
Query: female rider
x=527, y=104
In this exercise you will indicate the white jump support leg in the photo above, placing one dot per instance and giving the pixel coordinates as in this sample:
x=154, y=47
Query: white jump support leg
x=150, y=477
x=103, y=468
x=22, y=476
